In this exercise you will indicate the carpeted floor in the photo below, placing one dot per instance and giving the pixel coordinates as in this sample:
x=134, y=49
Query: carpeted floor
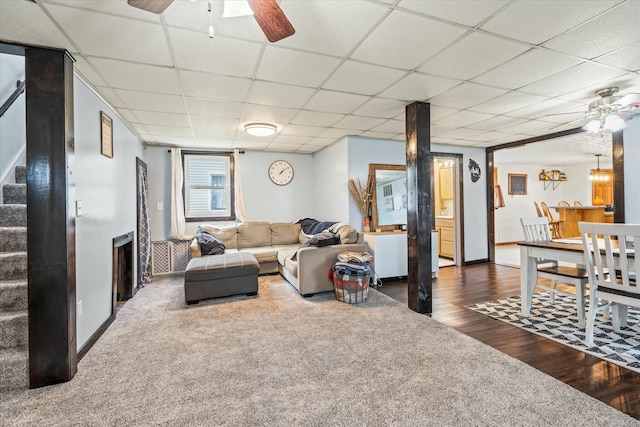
x=559, y=322
x=279, y=359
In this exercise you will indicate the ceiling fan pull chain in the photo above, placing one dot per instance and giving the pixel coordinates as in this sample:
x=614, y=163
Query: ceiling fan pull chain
x=211, y=19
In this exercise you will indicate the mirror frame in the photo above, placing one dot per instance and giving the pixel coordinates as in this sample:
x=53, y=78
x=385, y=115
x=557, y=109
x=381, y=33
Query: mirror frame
x=373, y=167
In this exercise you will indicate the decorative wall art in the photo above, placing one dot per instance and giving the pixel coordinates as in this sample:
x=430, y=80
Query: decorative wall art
x=517, y=184
x=475, y=171
x=106, y=135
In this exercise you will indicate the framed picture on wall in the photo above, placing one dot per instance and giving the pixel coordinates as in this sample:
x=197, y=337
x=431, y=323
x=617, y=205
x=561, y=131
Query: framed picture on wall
x=106, y=135
x=517, y=184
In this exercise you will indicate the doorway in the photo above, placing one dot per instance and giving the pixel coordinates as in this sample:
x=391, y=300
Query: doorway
x=447, y=205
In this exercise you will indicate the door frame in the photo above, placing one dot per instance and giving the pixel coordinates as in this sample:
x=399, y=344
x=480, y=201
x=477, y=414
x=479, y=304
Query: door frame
x=459, y=258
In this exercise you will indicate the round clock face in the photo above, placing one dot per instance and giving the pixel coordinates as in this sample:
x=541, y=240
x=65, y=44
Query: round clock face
x=281, y=172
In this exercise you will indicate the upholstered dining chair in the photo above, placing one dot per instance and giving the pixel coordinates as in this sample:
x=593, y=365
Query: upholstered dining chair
x=610, y=247
x=537, y=230
x=563, y=203
x=554, y=224
x=538, y=211
x=577, y=203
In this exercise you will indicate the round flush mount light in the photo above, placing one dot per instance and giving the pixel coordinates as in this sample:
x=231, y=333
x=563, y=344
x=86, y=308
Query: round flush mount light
x=260, y=129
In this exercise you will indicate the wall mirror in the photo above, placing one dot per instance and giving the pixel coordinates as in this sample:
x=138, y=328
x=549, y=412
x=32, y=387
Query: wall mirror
x=389, y=198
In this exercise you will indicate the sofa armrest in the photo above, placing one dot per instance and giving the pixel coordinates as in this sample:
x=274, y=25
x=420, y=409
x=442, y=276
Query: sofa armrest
x=314, y=264
x=195, y=248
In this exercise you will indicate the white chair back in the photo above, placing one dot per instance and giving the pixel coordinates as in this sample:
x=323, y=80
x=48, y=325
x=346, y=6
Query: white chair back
x=536, y=229
x=611, y=247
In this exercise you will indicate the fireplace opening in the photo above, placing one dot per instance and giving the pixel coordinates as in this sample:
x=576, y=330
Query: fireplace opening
x=122, y=269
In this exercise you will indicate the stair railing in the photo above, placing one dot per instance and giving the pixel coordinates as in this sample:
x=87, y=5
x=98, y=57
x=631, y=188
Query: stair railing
x=20, y=86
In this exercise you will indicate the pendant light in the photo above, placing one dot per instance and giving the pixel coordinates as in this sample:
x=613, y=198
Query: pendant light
x=598, y=175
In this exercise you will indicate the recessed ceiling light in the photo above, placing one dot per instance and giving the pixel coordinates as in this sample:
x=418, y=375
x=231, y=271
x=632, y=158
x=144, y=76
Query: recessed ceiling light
x=260, y=129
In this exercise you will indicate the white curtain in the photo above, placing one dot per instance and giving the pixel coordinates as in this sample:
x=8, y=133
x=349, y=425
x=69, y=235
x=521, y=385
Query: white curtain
x=240, y=215
x=177, y=201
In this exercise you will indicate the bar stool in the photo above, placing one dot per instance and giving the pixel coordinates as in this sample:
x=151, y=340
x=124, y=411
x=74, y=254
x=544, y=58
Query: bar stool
x=554, y=224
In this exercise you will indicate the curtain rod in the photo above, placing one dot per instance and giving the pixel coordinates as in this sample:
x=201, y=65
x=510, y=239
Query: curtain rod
x=241, y=151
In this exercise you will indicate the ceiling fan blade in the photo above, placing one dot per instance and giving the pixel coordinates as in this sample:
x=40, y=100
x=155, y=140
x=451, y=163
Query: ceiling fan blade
x=630, y=99
x=569, y=123
x=562, y=114
x=153, y=6
x=271, y=19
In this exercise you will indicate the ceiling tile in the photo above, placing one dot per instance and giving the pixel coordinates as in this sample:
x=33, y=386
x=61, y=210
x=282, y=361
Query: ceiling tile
x=328, y=26
x=263, y=113
x=472, y=56
x=550, y=106
x=460, y=133
x=279, y=95
x=335, y=102
x=119, y=8
x=611, y=31
x=364, y=79
x=496, y=123
x=436, y=112
x=166, y=119
x=378, y=107
x=145, y=78
x=295, y=67
x=250, y=145
x=214, y=143
x=176, y=141
x=37, y=29
x=527, y=68
x=291, y=139
x=490, y=136
x=300, y=130
x=461, y=119
x=285, y=148
x=466, y=95
x=399, y=41
x=196, y=51
x=583, y=76
x=149, y=139
x=417, y=86
x=140, y=128
x=205, y=107
x=128, y=115
x=467, y=12
x=207, y=130
x=532, y=21
x=212, y=86
x=380, y=135
x=309, y=148
x=151, y=101
x=391, y=126
x=169, y=130
x=359, y=123
x=111, y=97
x=316, y=118
x=321, y=142
x=627, y=58
x=87, y=72
x=508, y=102
x=527, y=127
x=338, y=133
x=90, y=31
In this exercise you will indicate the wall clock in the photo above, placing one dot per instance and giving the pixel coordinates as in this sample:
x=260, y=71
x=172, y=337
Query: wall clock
x=281, y=172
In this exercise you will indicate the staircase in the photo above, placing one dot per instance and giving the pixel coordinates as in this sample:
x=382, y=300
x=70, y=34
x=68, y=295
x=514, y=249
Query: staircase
x=14, y=355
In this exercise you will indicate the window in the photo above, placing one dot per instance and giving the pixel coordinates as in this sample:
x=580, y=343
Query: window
x=208, y=187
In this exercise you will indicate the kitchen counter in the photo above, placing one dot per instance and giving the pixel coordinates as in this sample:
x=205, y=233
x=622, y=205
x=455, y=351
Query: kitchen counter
x=570, y=216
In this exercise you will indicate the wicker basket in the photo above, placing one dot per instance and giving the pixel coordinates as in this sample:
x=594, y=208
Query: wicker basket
x=350, y=285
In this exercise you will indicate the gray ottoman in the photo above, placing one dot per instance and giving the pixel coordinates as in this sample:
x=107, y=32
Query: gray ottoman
x=214, y=276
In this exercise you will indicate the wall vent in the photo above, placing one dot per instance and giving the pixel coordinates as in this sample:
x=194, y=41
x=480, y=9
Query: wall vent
x=169, y=256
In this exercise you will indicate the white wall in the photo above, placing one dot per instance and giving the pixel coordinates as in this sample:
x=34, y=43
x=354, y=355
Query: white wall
x=263, y=200
x=13, y=131
x=331, y=177
x=632, y=171
x=107, y=189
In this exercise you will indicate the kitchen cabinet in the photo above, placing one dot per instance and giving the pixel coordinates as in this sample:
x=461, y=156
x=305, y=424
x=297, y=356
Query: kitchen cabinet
x=446, y=183
x=445, y=229
x=389, y=250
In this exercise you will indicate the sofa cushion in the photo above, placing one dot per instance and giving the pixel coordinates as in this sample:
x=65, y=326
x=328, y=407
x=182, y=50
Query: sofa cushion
x=262, y=253
x=254, y=234
x=304, y=238
x=284, y=233
x=292, y=266
x=285, y=254
x=347, y=234
x=227, y=233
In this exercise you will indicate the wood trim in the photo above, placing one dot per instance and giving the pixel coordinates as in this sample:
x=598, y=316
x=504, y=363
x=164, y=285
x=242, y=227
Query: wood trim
x=617, y=151
x=95, y=336
x=419, y=207
x=491, y=214
x=373, y=167
x=477, y=261
x=50, y=217
x=11, y=49
x=535, y=139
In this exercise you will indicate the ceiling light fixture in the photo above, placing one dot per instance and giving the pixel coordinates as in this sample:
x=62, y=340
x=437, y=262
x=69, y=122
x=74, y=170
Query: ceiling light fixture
x=608, y=109
x=597, y=174
x=260, y=129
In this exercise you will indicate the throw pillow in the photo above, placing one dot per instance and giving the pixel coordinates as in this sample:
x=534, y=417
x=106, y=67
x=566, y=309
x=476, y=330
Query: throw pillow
x=326, y=238
x=209, y=245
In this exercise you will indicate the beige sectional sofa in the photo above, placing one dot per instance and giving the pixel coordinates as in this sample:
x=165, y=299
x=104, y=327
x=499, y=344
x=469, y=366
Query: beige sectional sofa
x=274, y=246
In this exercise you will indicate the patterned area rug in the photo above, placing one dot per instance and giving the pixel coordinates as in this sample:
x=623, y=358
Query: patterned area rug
x=559, y=322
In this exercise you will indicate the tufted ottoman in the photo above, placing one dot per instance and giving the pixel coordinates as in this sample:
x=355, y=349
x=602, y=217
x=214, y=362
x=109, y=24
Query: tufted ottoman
x=214, y=276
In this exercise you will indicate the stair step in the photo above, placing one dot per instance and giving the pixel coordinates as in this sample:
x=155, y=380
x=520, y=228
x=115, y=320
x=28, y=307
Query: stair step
x=15, y=194
x=13, y=239
x=14, y=368
x=13, y=266
x=14, y=329
x=13, y=295
x=13, y=215
x=21, y=174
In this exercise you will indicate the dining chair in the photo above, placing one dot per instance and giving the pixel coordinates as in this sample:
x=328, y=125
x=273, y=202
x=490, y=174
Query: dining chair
x=538, y=230
x=577, y=203
x=538, y=211
x=554, y=224
x=610, y=247
x=563, y=203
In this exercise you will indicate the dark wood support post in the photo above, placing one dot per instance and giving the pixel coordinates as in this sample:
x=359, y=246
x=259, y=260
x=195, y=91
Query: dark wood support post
x=617, y=149
x=50, y=216
x=491, y=224
x=419, y=207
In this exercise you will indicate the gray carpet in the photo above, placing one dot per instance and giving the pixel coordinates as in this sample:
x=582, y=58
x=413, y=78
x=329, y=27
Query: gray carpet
x=279, y=359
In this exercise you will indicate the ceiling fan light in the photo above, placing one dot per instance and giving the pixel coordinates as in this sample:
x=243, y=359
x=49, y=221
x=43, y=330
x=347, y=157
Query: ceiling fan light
x=260, y=129
x=235, y=8
x=614, y=123
x=593, y=126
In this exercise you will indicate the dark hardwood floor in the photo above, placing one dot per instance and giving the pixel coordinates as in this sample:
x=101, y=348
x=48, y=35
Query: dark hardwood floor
x=457, y=287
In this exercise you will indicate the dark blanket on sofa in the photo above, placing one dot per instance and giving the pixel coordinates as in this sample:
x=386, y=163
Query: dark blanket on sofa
x=326, y=238
x=313, y=226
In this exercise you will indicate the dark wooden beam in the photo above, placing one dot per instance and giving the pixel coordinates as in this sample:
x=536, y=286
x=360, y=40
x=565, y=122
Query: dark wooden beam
x=491, y=212
x=617, y=151
x=419, y=207
x=50, y=217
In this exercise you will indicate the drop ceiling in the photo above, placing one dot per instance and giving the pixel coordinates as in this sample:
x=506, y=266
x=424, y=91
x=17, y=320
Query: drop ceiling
x=493, y=70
